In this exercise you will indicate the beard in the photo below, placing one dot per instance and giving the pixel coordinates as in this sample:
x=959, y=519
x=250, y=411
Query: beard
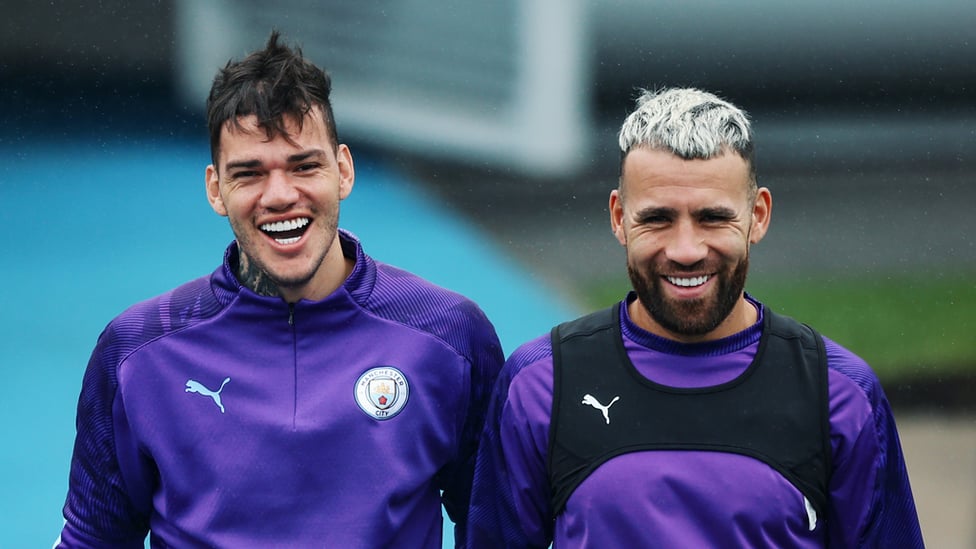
x=263, y=277
x=694, y=317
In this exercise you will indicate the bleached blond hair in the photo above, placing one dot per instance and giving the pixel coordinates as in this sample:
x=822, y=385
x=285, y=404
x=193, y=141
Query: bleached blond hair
x=688, y=122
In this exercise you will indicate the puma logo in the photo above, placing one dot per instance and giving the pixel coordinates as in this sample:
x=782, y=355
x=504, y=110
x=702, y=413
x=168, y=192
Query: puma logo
x=589, y=399
x=197, y=387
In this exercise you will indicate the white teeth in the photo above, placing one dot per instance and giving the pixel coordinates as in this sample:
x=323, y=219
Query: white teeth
x=289, y=225
x=687, y=282
x=287, y=240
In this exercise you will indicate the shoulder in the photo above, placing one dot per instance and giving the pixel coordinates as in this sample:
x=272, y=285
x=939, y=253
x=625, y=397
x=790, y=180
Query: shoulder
x=403, y=297
x=859, y=410
x=148, y=320
x=531, y=352
x=850, y=374
x=141, y=324
x=852, y=382
x=851, y=379
x=854, y=391
x=527, y=374
x=173, y=310
x=398, y=286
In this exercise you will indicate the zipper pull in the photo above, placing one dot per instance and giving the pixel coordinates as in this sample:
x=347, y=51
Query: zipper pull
x=291, y=314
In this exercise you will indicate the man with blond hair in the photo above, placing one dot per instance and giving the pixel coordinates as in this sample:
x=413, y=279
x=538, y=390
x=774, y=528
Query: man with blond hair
x=689, y=414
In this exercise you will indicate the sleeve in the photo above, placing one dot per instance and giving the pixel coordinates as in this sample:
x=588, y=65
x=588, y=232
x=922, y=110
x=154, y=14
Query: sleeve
x=486, y=360
x=510, y=499
x=871, y=502
x=99, y=510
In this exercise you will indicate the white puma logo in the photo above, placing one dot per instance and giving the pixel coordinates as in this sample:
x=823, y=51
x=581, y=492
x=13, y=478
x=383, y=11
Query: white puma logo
x=589, y=399
x=197, y=387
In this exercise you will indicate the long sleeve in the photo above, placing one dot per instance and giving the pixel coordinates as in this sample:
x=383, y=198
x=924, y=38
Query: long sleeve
x=100, y=509
x=486, y=361
x=510, y=503
x=870, y=494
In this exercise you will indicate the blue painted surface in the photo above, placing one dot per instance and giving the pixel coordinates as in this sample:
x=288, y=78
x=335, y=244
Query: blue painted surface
x=92, y=227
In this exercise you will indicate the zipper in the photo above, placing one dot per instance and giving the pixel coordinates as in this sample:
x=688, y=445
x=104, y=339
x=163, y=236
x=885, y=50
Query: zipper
x=294, y=366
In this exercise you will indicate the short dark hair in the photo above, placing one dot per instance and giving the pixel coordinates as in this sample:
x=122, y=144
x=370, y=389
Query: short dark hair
x=273, y=84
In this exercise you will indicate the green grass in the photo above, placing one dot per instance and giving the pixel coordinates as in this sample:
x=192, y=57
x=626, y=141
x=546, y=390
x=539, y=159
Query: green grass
x=904, y=327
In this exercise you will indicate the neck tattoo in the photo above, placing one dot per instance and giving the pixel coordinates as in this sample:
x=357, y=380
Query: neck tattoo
x=255, y=279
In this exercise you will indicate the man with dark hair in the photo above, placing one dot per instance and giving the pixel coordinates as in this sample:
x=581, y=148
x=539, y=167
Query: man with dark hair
x=689, y=414
x=303, y=394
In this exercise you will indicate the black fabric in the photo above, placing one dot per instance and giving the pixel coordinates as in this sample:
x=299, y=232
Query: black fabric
x=776, y=411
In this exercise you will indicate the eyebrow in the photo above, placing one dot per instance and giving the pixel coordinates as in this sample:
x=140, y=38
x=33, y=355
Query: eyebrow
x=716, y=211
x=242, y=164
x=305, y=155
x=292, y=159
x=655, y=211
x=664, y=211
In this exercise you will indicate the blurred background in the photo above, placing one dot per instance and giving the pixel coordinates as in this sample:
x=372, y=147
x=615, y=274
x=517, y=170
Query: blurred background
x=484, y=138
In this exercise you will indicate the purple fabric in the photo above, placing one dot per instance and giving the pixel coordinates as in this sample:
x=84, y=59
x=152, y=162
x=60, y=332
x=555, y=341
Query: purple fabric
x=291, y=458
x=689, y=498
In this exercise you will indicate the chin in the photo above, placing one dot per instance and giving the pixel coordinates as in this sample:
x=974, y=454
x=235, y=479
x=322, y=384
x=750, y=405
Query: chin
x=292, y=280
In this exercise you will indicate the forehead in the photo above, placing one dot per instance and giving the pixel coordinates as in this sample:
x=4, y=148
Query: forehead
x=248, y=137
x=655, y=172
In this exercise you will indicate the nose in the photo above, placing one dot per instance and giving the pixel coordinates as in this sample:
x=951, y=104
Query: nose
x=686, y=245
x=279, y=193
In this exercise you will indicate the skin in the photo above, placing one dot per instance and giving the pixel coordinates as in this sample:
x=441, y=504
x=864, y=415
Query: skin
x=686, y=219
x=259, y=181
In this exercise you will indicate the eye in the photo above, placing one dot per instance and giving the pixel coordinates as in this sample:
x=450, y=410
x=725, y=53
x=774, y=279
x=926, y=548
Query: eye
x=716, y=216
x=244, y=174
x=654, y=220
x=655, y=217
x=307, y=167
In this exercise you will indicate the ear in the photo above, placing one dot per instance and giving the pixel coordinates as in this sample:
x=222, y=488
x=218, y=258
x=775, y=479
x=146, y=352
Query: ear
x=617, y=217
x=213, y=191
x=347, y=172
x=762, y=211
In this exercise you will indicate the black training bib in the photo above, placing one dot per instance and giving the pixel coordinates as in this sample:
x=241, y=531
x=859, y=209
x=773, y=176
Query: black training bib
x=776, y=411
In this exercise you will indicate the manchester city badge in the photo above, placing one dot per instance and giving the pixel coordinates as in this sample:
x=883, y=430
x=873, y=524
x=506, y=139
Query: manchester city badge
x=382, y=392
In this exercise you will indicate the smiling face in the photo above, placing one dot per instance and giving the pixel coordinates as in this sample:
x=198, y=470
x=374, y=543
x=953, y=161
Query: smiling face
x=282, y=197
x=687, y=226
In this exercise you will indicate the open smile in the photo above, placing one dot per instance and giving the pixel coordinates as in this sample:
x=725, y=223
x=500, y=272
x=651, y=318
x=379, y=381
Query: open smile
x=287, y=231
x=688, y=282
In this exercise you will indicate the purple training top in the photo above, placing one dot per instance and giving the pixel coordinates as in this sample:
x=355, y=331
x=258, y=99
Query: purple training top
x=670, y=498
x=212, y=416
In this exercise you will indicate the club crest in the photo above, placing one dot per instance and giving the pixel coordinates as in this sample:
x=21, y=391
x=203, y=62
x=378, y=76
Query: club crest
x=382, y=392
